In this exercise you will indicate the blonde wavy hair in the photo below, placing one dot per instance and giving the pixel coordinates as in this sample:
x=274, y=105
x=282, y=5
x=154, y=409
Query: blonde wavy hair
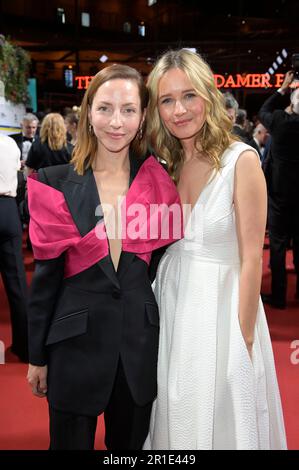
x=87, y=144
x=214, y=136
x=53, y=131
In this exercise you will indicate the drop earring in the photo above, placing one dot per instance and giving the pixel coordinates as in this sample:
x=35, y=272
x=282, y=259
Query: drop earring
x=140, y=133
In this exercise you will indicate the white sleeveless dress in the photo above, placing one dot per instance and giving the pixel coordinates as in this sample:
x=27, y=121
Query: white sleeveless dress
x=210, y=394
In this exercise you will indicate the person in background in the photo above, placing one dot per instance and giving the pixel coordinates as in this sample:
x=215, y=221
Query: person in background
x=240, y=124
x=11, y=258
x=71, y=122
x=93, y=318
x=25, y=139
x=280, y=115
x=231, y=106
x=52, y=147
x=259, y=140
x=217, y=386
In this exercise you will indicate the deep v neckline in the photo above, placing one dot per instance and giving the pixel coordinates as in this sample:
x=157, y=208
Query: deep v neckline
x=199, y=197
x=115, y=224
x=133, y=172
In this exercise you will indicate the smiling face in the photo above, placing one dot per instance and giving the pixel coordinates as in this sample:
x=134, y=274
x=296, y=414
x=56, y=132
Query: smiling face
x=115, y=114
x=181, y=109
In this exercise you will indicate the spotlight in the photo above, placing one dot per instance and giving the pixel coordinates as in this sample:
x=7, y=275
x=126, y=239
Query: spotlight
x=141, y=29
x=278, y=61
x=103, y=58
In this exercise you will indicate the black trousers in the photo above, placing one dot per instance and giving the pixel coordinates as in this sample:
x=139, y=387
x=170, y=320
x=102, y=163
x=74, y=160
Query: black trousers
x=13, y=273
x=283, y=227
x=126, y=423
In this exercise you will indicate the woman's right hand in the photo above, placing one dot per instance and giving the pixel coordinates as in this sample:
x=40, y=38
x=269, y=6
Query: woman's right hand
x=37, y=379
x=289, y=77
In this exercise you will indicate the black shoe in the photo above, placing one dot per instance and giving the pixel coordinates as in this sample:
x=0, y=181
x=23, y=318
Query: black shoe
x=268, y=299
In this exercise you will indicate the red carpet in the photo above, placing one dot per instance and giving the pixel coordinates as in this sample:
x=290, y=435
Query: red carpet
x=24, y=420
x=284, y=330
x=23, y=417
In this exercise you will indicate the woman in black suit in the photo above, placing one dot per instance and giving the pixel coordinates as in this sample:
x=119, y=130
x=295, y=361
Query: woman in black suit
x=93, y=318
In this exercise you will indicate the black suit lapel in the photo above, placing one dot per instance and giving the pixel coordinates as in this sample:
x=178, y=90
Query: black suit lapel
x=19, y=141
x=82, y=198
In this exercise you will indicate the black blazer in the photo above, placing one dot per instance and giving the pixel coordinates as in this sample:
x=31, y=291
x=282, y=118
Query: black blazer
x=18, y=138
x=284, y=129
x=41, y=155
x=82, y=325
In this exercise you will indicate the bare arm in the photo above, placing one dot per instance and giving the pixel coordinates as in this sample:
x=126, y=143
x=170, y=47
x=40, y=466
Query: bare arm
x=250, y=198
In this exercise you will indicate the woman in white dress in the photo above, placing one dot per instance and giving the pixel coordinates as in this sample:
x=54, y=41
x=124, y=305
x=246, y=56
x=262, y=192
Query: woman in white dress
x=217, y=386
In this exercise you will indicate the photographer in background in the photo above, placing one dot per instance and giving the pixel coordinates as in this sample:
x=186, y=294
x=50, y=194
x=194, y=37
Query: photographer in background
x=281, y=118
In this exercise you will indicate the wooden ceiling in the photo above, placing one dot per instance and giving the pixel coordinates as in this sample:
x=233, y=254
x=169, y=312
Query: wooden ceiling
x=236, y=37
x=244, y=34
